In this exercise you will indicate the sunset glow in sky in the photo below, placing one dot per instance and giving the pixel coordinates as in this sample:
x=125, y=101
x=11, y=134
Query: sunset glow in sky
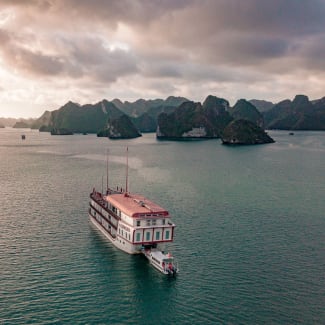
x=53, y=51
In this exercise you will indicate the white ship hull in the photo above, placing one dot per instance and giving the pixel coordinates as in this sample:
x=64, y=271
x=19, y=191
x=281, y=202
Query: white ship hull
x=99, y=227
x=127, y=248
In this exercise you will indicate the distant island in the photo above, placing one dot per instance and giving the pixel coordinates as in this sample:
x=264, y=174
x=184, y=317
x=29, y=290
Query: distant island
x=242, y=124
x=244, y=132
x=177, y=118
x=299, y=114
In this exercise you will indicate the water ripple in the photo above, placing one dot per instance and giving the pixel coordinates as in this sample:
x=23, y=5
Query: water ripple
x=249, y=235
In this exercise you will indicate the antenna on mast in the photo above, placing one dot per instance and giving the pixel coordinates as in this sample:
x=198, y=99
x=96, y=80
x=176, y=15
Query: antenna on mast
x=127, y=170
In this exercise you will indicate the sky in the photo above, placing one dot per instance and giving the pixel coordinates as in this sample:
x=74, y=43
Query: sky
x=54, y=51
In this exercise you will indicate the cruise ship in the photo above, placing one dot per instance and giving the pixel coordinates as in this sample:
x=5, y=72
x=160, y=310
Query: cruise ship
x=134, y=224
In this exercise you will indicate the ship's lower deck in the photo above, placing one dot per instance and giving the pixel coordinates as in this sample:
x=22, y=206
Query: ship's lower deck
x=101, y=228
x=117, y=241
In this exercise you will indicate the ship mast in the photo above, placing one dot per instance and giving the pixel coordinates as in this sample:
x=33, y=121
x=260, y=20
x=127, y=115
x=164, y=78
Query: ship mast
x=127, y=170
x=107, y=170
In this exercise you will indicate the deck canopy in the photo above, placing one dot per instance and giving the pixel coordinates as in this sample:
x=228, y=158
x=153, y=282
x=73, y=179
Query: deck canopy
x=136, y=206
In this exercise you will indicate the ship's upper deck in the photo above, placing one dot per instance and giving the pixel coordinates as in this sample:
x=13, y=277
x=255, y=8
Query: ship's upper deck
x=136, y=206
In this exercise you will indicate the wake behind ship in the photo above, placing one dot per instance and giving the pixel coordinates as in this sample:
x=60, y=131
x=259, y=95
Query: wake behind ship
x=135, y=225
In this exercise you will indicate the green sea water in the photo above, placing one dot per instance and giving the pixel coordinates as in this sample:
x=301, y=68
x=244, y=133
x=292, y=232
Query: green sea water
x=249, y=238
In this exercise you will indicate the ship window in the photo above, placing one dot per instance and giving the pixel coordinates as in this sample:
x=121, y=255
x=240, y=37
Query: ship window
x=148, y=222
x=163, y=221
x=147, y=236
x=167, y=233
x=138, y=223
x=157, y=235
x=138, y=236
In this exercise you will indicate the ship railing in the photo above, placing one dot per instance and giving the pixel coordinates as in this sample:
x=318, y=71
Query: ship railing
x=98, y=194
x=110, y=222
x=104, y=205
x=118, y=190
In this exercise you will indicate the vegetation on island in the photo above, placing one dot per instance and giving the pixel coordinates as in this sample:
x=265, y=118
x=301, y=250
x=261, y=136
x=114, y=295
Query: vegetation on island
x=22, y=125
x=193, y=120
x=244, y=132
x=120, y=128
x=299, y=114
x=261, y=105
x=247, y=111
x=152, y=106
x=145, y=122
x=61, y=131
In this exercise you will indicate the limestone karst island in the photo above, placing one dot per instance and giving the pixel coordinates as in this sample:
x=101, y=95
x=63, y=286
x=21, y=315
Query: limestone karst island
x=177, y=118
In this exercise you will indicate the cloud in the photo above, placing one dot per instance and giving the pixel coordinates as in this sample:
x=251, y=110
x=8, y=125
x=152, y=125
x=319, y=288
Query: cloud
x=34, y=62
x=74, y=58
x=149, y=48
x=4, y=37
x=237, y=32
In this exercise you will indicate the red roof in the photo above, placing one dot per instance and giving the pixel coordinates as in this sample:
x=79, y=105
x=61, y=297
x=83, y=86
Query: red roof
x=134, y=204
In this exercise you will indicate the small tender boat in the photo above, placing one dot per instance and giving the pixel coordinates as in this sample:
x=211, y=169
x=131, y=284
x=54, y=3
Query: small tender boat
x=163, y=262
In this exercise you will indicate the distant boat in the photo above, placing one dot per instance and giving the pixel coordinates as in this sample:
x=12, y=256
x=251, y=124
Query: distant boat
x=291, y=133
x=23, y=136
